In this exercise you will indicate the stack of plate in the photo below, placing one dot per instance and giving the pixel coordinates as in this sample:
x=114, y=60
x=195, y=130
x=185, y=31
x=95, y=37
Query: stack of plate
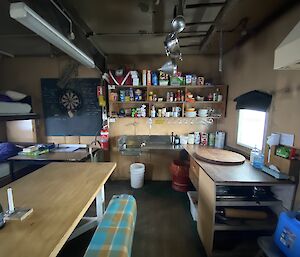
x=190, y=113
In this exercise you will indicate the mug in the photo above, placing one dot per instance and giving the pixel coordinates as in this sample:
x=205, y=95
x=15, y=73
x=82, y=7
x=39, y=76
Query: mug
x=178, y=109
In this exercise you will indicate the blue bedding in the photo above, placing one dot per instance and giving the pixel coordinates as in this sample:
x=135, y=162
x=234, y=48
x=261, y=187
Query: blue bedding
x=8, y=150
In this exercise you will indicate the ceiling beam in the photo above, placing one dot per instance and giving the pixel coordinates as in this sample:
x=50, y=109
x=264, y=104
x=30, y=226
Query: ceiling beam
x=191, y=45
x=192, y=36
x=200, y=23
x=204, y=5
x=226, y=6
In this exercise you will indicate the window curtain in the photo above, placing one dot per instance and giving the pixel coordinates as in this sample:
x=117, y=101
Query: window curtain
x=254, y=100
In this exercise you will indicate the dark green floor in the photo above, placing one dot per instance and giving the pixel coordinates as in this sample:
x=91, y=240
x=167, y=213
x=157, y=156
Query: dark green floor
x=164, y=225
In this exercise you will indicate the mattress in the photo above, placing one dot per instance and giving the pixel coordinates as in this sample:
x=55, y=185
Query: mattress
x=12, y=107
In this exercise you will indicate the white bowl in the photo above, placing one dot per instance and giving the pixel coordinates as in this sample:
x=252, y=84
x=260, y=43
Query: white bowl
x=190, y=114
x=202, y=112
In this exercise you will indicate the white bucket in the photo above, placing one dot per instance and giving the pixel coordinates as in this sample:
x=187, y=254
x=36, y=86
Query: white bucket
x=137, y=171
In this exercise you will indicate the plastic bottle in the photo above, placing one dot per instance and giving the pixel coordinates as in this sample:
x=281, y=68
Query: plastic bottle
x=154, y=79
x=254, y=152
x=258, y=161
x=153, y=112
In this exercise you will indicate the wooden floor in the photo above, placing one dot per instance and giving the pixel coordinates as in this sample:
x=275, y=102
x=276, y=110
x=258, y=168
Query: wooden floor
x=164, y=225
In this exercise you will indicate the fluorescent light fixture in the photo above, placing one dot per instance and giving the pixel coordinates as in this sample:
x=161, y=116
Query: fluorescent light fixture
x=30, y=19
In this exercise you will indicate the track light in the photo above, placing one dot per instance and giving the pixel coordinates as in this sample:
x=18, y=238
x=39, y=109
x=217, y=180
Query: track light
x=30, y=19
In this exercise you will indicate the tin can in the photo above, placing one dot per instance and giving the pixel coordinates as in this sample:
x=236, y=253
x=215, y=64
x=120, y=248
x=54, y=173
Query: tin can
x=204, y=139
x=211, y=139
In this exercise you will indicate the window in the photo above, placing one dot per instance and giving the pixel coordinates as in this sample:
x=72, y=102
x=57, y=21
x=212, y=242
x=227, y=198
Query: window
x=251, y=128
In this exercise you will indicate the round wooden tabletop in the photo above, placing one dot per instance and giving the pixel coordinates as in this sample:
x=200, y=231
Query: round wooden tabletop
x=219, y=156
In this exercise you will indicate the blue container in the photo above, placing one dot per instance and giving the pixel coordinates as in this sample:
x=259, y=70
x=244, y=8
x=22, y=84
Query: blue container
x=154, y=78
x=287, y=234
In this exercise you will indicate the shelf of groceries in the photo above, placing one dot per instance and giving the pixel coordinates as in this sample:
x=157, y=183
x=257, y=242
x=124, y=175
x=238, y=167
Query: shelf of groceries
x=164, y=96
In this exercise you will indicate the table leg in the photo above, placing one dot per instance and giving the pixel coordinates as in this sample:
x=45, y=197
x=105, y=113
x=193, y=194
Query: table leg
x=91, y=221
x=100, y=203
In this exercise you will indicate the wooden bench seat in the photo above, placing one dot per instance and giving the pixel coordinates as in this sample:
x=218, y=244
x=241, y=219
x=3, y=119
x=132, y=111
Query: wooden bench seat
x=114, y=235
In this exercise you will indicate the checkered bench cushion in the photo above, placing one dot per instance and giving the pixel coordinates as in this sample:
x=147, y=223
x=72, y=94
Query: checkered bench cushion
x=113, y=236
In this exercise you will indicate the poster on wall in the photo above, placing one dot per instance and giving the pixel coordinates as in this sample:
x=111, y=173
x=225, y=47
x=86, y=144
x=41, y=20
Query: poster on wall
x=72, y=110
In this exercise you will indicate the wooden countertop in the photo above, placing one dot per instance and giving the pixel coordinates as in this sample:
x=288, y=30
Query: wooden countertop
x=235, y=174
x=60, y=194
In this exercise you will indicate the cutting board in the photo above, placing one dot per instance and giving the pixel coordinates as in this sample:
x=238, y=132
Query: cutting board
x=219, y=156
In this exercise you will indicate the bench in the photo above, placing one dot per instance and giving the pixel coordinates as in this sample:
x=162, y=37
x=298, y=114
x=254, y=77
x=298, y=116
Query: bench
x=114, y=234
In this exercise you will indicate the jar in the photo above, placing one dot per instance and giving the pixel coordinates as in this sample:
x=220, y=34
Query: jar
x=211, y=139
x=191, y=139
x=258, y=161
x=159, y=113
x=254, y=152
x=197, y=138
x=150, y=96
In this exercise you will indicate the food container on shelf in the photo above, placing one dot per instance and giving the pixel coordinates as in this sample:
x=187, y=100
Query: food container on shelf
x=190, y=114
x=183, y=140
x=220, y=139
x=203, y=112
x=197, y=138
x=191, y=139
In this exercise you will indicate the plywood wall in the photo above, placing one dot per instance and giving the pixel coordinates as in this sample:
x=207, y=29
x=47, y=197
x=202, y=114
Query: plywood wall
x=23, y=74
x=250, y=67
x=160, y=126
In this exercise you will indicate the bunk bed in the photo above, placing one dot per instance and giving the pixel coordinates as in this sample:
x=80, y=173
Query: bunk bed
x=15, y=106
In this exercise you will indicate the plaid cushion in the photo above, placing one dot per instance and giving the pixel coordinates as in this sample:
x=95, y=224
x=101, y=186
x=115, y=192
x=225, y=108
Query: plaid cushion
x=113, y=236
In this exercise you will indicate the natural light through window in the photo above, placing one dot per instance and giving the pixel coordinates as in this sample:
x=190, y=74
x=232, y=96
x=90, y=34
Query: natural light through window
x=251, y=128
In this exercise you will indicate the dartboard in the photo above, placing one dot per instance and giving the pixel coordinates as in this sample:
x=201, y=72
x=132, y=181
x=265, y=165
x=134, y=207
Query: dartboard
x=70, y=100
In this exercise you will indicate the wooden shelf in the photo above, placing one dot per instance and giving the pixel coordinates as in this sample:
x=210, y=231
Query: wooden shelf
x=161, y=91
x=204, y=102
x=18, y=116
x=250, y=227
x=169, y=86
x=248, y=203
x=165, y=102
x=130, y=102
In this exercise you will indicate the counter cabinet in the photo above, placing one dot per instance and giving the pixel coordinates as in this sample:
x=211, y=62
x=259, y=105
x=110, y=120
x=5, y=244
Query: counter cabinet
x=209, y=202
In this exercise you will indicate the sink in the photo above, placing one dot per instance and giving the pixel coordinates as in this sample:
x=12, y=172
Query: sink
x=135, y=145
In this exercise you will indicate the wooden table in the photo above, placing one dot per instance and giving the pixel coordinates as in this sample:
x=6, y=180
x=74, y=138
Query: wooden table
x=76, y=156
x=79, y=155
x=60, y=194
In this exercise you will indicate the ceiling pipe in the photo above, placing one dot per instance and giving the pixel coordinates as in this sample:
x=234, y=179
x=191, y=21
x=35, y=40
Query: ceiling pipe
x=71, y=34
x=221, y=51
x=6, y=54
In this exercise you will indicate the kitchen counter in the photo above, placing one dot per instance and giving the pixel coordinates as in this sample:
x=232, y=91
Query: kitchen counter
x=238, y=174
x=209, y=179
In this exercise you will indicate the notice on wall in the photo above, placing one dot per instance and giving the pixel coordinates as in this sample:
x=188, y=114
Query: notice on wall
x=72, y=110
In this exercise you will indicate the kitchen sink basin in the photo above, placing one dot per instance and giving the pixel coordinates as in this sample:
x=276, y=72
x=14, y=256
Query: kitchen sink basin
x=135, y=145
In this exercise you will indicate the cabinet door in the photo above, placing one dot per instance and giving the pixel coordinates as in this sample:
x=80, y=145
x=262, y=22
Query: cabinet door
x=206, y=211
x=194, y=173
